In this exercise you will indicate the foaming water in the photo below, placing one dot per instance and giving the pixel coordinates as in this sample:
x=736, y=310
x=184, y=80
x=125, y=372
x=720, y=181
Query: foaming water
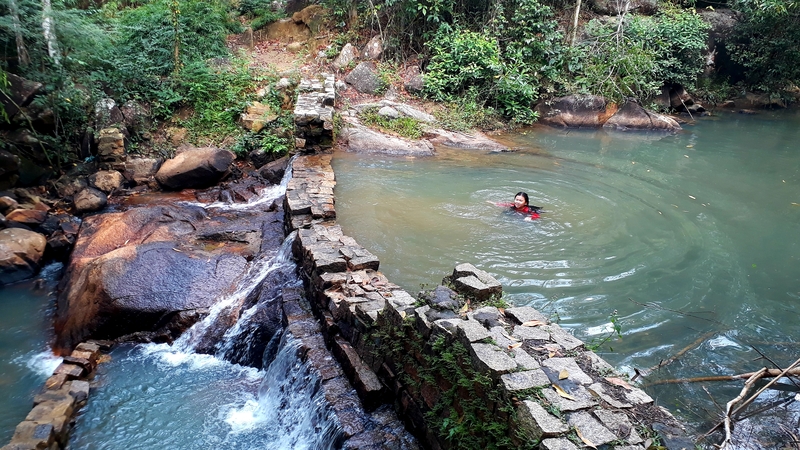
x=682, y=236
x=25, y=356
x=262, y=267
x=156, y=396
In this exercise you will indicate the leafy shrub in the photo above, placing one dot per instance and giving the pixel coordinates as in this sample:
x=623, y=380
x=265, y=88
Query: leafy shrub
x=461, y=59
x=636, y=58
x=766, y=43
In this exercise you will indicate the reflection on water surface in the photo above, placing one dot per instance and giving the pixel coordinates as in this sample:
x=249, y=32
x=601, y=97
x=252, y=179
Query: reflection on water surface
x=684, y=236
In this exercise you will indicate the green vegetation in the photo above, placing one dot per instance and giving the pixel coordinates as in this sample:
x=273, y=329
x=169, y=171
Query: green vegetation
x=407, y=127
x=169, y=54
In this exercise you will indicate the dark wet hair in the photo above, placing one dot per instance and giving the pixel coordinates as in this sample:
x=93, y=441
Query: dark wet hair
x=527, y=202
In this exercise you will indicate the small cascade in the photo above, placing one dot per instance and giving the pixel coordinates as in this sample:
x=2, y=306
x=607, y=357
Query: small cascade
x=290, y=404
x=276, y=268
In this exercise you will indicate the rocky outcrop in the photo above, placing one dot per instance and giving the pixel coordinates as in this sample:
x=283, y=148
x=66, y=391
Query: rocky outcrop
x=575, y=111
x=633, y=117
x=21, y=252
x=361, y=139
x=472, y=141
x=592, y=111
x=195, y=168
x=153, y=269
x=20, y=93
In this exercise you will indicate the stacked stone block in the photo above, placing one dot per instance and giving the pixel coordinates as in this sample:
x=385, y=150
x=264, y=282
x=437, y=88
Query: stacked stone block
x=563, y=395
x=313, y=113
x=64, y=393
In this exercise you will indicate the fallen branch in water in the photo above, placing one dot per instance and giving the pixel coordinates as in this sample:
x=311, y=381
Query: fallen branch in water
x=674, y=357
x=768, y=373
x=792, y=370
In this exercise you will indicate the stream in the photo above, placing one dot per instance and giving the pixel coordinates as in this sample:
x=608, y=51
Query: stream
x=684, y=239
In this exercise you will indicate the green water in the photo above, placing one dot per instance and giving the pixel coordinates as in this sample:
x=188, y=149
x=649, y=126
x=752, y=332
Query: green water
x=25, y=357
x=684, y=236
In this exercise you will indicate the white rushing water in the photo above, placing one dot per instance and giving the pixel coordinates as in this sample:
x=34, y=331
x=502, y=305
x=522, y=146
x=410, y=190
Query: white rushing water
x=160, y=396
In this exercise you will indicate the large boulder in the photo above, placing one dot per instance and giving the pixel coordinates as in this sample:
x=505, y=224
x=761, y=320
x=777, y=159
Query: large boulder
x=137, y=117
x=575, y=111
x=20, y=93
x=632, y=116
x=136, y=270
x=20, y=254
x=364, y=78
x=361, y=139
x=195, y=168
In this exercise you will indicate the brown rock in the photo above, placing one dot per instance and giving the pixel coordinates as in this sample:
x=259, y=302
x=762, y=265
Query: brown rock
x=20, y=254
x=106, y=180
x=196, y=168
x=575, y=111
x=89, y=200
x=30, y=217
x=127, y=274
x=632, y=116
x=8, y=204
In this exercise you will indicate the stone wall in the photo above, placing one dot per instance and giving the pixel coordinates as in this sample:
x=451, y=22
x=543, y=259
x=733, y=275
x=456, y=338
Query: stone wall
x=64, y=393
x=313, y=113
x=459, y=376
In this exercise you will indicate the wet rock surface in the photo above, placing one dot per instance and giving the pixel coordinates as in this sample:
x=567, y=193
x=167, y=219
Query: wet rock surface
x=156, y=268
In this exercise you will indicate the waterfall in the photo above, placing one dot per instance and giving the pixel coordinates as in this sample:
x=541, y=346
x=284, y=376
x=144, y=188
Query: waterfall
x=279, y=264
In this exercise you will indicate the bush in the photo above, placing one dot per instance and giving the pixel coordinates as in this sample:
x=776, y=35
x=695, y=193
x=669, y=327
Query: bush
x=766, y=43
x=637, y=58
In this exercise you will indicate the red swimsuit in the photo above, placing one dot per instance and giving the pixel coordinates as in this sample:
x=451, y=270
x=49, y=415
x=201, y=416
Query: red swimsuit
x=524, y=210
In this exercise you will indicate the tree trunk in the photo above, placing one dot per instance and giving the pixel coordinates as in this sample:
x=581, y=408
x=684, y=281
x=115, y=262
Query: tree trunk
x=22, y=51
x=575, y=23
x=49, y=28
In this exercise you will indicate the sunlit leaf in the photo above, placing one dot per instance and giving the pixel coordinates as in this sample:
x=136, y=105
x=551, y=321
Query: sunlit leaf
x=533, y=323
x=585, y=441
x=563, y=374
x=562, y=392
x=514, y=345
x=619, y=382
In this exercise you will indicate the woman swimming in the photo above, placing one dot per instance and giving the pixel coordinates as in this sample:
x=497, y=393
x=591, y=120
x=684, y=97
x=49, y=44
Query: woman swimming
x=522, y=205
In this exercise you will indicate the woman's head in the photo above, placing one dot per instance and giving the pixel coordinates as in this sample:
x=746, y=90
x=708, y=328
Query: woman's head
x=520, y=200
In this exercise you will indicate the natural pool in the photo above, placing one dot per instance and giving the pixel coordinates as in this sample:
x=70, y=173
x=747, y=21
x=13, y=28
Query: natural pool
x=687, y=237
